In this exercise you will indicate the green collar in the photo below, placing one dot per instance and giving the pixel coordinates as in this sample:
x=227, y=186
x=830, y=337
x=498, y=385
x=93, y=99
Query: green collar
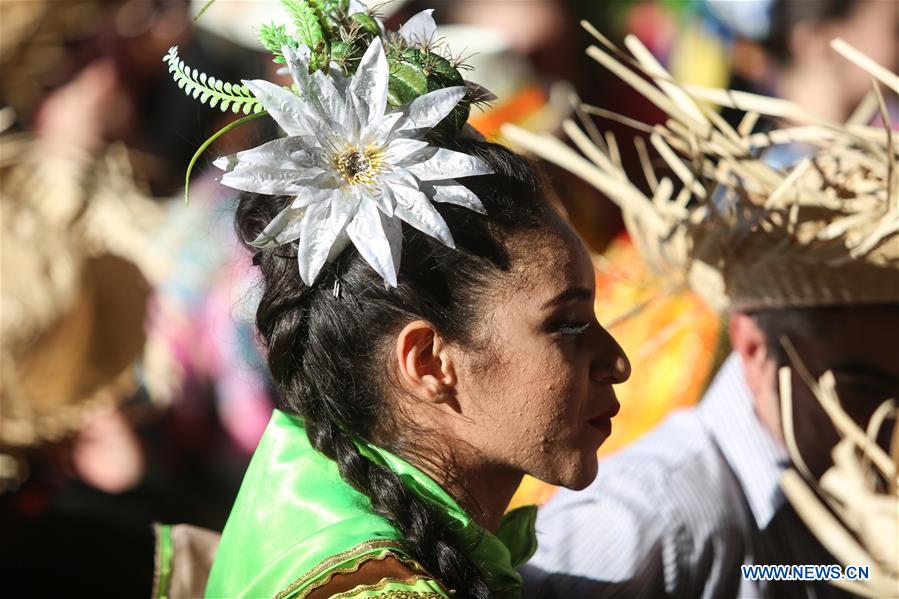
x=295, y=513
x=498, y=555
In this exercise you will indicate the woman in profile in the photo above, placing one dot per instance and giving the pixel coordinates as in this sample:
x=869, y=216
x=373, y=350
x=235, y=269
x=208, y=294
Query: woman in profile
x=438, y=342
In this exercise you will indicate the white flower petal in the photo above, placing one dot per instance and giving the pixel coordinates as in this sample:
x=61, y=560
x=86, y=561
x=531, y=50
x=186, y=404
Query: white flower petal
x=313, y=194
x=447, y=164
x=401, y=177
x=317, y=89
x=384, y=198
x=393, y=230
x=298, y=64
x=450, y=192
x=331, y=98
x=414, y=208
x=284, y=152
x=380, y=129
x=426, y=111
x=399, y=149
x=420, y=29
x=273, y=181
x=289, y=110
x=368, y=87
x=356, y=6
x=341, y=81
x=322, y=225
x=368, y=234
x=284, y=228
x=340, y=244
x=293, y=113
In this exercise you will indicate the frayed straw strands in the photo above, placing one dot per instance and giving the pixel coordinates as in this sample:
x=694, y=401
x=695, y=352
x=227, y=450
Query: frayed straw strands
x=849, y=510
x=727, y=208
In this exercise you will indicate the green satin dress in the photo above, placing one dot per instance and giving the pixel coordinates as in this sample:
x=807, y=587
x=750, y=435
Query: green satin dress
x=296, y=523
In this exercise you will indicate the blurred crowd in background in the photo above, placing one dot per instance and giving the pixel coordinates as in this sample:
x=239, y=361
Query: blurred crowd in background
x=133, y=389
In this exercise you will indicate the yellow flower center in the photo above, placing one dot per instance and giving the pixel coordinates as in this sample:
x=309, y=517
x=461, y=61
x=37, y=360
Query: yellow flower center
x=359, y=167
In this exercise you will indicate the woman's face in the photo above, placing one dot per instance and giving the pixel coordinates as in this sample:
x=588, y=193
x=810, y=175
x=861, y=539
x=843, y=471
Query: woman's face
x=540, y=396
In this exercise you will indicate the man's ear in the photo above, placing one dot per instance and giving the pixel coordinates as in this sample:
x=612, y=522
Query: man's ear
x=424, y=364
x=749, y=341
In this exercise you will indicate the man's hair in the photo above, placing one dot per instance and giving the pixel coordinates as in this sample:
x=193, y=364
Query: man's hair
x=786, y=15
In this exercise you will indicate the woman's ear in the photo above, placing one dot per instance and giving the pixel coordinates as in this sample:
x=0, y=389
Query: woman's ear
x=424, y=364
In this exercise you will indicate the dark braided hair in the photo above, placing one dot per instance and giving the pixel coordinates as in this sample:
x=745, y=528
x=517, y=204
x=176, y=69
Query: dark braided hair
x=328, y=343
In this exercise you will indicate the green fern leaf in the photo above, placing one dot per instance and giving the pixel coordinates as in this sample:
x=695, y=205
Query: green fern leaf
x=274, y=38
x=306, y=22
x=209, y=90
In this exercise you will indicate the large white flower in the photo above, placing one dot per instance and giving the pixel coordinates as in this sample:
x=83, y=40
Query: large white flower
x=356, y=170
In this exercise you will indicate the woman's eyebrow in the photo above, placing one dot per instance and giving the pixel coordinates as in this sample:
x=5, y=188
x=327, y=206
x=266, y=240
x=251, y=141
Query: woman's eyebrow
x=570, y=294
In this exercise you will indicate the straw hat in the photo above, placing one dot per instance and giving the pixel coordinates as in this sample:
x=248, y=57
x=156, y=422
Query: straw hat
x=76, y=276
x=34, y=39
x=850, y=510
x=744, y=234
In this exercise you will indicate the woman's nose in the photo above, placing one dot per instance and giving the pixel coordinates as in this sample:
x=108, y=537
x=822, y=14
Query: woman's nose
x=611, y=365
x=621, y=371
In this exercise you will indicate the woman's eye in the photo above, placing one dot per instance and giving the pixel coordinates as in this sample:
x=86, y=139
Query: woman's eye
x=573, y=329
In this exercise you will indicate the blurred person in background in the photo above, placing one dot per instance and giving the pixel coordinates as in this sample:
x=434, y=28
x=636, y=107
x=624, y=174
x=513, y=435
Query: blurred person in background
x=97, y=279
x=803, y=68
x=680, y=511
x=76, y=276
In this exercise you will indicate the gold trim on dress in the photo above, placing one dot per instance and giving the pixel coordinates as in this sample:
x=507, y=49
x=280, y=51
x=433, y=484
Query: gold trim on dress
x=396, y=594
x=389, y=545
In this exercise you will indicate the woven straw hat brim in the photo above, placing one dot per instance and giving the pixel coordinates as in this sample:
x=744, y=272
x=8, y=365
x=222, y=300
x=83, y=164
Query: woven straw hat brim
x=76, y=281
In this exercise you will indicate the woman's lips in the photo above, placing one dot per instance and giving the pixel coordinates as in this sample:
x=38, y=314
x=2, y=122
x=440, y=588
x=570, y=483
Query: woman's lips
x=603, y=422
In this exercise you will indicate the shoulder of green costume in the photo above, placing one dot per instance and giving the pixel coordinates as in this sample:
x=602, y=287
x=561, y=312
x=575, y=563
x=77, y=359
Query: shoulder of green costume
x=376, y=568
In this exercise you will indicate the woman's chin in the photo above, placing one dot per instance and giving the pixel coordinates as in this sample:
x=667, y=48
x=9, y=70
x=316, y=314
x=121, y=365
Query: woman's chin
x=579, y=474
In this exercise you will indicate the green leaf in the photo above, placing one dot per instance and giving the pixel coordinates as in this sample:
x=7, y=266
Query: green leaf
x=366, y=22
x=327, y=6
x=274, y=38
x=208, y=90
x=306, y=22
x=208, y=142
x=407, y=82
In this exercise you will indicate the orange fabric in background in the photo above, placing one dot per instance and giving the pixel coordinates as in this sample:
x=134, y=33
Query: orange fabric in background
x=671, y=343
x=515, y=110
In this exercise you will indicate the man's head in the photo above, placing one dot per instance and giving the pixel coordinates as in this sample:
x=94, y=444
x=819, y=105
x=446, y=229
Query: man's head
x=809, y=71
x=860, y=344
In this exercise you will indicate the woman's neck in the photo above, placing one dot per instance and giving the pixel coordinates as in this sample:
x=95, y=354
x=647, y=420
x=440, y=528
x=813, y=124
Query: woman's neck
x=486, y=493
x=482, y=489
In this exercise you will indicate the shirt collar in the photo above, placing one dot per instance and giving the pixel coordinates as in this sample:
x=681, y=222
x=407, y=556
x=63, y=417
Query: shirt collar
x=498, y=555
x=755, y=457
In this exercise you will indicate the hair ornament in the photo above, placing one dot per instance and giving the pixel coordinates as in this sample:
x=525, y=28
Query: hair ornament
x=361, y=118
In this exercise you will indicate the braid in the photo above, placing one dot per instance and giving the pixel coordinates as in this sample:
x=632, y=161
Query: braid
x=424, y=536
x=326, y=353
